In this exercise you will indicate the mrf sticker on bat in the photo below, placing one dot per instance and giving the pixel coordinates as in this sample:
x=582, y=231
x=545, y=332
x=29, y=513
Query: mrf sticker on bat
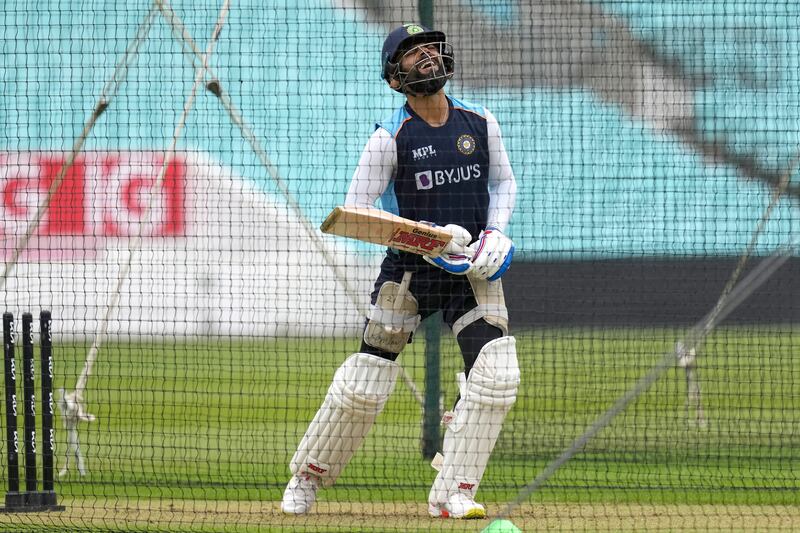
x=416, y=240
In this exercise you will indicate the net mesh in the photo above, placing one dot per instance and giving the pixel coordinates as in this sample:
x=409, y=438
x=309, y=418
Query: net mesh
x=165, y=168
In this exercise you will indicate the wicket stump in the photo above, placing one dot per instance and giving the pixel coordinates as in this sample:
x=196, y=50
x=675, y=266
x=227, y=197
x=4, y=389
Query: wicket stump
x=31, y=499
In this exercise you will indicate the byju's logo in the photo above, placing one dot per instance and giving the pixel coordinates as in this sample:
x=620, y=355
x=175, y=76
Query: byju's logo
x=430, y=178
x=423, y=153
x=424, y=180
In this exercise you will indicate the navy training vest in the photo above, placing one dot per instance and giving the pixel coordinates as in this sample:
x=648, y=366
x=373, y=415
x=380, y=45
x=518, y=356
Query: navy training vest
x=442, y=172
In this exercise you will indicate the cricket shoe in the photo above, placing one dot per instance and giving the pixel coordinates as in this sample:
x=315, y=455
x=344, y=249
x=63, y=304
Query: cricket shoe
x=458, y=505
x=300, y=494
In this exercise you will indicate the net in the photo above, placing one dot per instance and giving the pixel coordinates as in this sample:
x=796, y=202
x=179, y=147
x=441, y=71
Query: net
x=165, y=167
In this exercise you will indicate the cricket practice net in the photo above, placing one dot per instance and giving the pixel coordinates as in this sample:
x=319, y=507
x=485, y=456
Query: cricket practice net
x=164, y=170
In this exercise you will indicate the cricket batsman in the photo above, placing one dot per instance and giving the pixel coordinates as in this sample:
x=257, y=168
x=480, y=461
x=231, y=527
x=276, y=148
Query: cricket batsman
x=440, y=160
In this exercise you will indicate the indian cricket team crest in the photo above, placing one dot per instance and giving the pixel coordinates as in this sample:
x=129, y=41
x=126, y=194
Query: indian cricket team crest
x=413, y=29
x=466, y=144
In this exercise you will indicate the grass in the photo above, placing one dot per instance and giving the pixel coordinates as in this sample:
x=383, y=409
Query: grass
x=217, y=420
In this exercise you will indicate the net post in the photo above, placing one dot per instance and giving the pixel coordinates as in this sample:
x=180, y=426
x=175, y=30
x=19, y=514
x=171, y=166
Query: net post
x=425, y=12
x=431, y=409
x=431, y=439
x=14, y=498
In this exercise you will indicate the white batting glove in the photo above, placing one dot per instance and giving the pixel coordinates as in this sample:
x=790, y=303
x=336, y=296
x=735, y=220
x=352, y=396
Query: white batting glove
x=493, y=252
x=455, y=258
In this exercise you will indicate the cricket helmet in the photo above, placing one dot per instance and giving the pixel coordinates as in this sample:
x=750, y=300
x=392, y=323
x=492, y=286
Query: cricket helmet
x=406, y=38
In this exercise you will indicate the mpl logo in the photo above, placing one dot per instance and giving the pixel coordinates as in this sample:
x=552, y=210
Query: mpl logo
x=423, y=153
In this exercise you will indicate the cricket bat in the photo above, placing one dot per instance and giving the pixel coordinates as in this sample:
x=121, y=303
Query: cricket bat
x=380, y=227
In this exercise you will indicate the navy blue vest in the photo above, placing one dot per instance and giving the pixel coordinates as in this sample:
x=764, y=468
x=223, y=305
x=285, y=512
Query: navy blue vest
x=442, y=172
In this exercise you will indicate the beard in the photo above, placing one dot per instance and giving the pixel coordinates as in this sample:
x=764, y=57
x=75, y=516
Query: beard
x=428, y=74
x=425, y=84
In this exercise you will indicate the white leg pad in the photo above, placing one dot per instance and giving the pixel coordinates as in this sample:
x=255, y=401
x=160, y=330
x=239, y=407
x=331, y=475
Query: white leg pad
x=469, y=439
x=360, y=389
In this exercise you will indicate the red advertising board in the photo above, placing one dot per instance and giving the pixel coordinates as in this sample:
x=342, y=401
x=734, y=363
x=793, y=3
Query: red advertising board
x=102, y=195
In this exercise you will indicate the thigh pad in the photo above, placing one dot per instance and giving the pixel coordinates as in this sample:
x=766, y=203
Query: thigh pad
x=491, y=306
x=390, y=326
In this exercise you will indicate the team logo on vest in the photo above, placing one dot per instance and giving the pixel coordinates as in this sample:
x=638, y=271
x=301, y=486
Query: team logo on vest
x=466, y=144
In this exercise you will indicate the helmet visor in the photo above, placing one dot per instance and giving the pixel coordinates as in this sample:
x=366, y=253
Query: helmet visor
x=425, y=68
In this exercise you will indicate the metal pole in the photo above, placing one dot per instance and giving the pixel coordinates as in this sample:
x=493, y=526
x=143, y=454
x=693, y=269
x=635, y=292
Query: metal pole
x=431, y=439
x=425, y=12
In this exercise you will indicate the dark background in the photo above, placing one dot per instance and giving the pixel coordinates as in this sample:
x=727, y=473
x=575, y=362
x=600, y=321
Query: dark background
x=647, y=292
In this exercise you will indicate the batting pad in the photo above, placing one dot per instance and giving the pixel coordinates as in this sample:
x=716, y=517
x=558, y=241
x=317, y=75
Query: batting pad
x=360, y=389
x=469, y=439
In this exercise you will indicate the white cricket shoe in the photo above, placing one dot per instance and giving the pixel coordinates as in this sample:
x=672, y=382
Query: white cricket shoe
x=300, y=494
x=458, y=505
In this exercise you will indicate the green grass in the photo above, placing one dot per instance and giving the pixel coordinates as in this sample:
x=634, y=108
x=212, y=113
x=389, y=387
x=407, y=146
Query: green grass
x=215, y=419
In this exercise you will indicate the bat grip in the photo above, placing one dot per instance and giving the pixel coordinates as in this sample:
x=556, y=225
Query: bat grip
x=401, y=291
x=399, y=298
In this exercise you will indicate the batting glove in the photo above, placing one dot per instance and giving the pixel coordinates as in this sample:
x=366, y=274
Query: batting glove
x=493, y=254
x=455, y=258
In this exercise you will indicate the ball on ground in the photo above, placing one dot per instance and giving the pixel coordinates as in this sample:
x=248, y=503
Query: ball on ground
x=501, y=526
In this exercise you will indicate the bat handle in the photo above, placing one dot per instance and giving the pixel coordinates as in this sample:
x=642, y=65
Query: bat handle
x=402, y=290
x=400, y=297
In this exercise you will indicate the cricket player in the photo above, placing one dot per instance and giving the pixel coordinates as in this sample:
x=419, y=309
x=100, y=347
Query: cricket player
x=440, y=160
